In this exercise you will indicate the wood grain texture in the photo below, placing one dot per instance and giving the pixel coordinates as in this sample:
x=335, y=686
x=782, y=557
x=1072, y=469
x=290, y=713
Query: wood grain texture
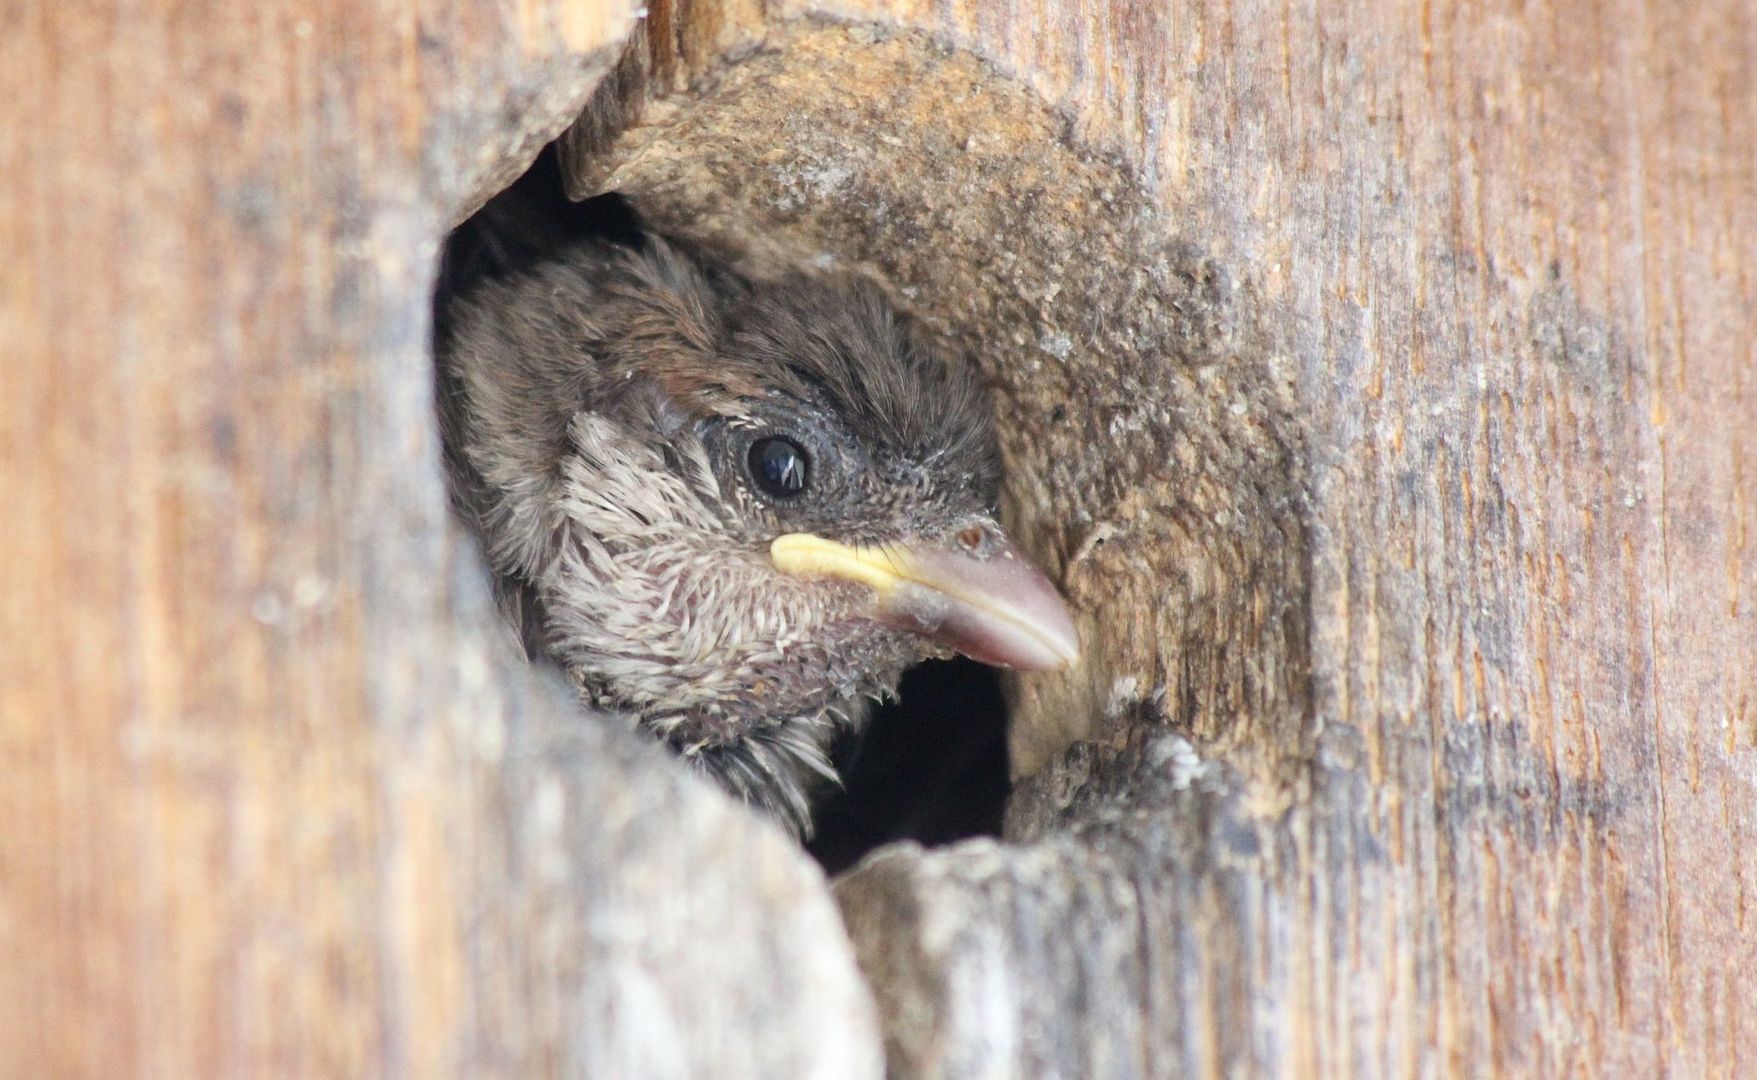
x=1509, y=250
x=277, y=800
x=1403, y=477
x=1486, y=805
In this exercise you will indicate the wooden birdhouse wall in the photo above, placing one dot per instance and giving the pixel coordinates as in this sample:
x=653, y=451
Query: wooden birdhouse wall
x=1377, y=382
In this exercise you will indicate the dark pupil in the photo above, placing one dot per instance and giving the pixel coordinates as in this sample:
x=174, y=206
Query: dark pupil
x=780, y=466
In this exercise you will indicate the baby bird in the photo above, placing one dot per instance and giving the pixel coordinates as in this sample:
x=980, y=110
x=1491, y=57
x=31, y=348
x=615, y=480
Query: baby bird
x=732, y=510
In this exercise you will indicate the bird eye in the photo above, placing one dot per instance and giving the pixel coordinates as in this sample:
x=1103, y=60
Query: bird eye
x=780, y=466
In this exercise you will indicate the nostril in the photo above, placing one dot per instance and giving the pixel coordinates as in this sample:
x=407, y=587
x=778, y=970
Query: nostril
x=972, y=537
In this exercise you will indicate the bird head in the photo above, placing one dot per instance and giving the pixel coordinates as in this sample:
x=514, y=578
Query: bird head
x=734, y=508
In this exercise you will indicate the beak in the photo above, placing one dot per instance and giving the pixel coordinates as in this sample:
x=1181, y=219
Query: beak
x=972, y=591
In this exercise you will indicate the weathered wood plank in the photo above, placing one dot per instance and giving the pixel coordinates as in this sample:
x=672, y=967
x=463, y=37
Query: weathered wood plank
x=277, y=800
x=1493, y=766
x=1383, y=389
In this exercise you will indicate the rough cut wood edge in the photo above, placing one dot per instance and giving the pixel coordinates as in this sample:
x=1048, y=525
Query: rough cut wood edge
x=1090, y=950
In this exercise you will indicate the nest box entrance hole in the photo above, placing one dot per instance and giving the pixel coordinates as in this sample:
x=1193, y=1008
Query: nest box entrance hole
x=931, y=766
x=1142, y=400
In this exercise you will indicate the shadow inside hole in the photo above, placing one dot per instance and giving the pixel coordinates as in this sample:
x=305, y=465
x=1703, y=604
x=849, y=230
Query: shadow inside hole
x=931, y=767
x=522, y=226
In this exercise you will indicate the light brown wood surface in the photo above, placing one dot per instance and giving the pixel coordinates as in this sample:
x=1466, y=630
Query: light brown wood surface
x=1382, y=387
x=275, y=798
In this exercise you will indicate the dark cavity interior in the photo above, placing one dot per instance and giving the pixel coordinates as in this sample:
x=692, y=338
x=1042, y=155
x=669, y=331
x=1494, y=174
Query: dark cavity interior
x=523, y=225
x=932, y=766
